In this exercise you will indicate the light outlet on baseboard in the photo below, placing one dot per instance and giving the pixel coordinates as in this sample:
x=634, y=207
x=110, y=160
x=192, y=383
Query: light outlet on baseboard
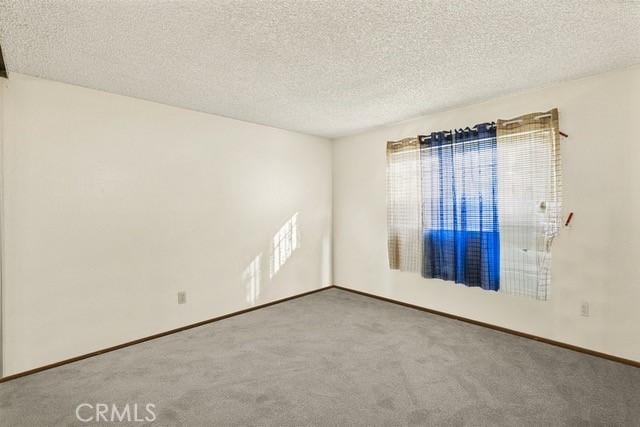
x=182, y=297
x=584, y=309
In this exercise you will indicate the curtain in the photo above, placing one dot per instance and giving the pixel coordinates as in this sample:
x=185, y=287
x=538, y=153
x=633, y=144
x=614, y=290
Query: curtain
x=460, y=231
x=529, y=188
x=478, y=206
x=404, y=222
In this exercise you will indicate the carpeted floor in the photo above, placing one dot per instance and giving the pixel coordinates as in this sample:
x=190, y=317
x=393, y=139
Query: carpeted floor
x=335, y=358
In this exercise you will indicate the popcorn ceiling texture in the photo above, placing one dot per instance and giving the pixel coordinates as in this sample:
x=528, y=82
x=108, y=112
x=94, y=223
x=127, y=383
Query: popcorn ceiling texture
x=324, y=67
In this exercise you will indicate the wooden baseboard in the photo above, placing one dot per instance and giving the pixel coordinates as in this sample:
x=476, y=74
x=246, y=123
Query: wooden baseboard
x=500, y=328
x=416, y=307
x=152, y=337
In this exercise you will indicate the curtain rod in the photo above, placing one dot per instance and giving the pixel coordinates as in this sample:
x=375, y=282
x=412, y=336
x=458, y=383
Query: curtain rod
x=394, y=143
x=483, y=139
x=491, y=137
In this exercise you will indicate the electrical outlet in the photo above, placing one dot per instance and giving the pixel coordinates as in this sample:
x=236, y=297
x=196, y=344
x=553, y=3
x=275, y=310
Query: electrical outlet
x=584, y=309
x=182, y=297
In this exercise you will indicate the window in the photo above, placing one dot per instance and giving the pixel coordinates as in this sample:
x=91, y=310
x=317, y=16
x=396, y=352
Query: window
x=478, y=206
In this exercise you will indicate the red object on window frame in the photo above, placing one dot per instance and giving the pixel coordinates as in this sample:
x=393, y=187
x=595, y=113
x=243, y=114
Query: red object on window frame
x=569, y=218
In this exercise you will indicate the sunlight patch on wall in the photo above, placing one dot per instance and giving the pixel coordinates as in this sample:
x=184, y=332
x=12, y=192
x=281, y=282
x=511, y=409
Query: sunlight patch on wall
x=283, y=244
x=251, y=279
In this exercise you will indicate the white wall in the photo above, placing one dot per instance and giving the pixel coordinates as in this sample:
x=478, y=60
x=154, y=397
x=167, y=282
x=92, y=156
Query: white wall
x=596, y=259
x=113, y=205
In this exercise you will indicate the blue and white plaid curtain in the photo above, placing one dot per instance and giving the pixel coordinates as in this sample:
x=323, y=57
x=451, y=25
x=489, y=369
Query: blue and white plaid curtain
x=460, y=211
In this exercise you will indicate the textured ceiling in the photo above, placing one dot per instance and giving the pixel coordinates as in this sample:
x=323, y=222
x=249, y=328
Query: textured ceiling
x=324, y=67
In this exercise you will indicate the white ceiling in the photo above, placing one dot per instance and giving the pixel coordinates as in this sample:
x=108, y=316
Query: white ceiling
x=323, y=67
